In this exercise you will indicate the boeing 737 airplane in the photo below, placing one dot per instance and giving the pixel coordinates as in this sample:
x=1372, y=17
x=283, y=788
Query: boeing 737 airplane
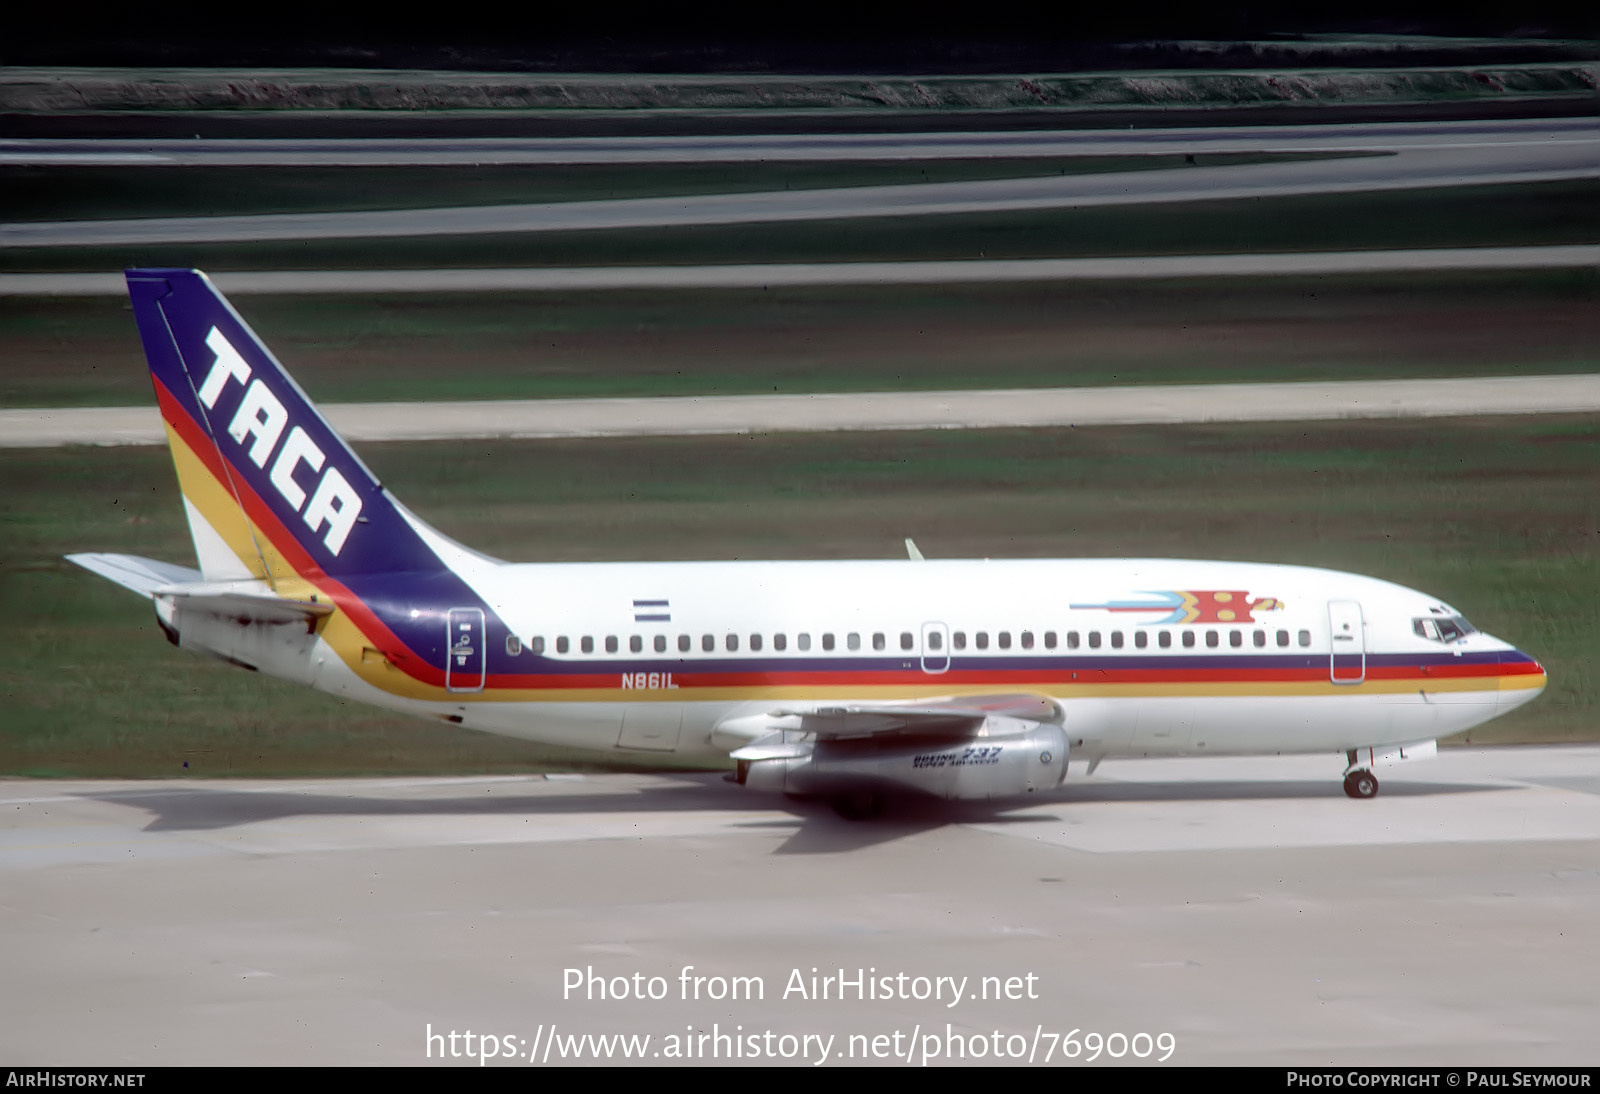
x=845, y=680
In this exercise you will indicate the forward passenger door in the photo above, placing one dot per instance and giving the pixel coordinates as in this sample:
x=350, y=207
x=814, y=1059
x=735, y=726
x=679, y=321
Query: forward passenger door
x=1347, y=663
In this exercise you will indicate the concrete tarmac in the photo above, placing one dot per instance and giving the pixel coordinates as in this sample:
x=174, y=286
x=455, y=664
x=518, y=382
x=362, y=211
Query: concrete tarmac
x=1425, y=167
x=803, y=274
x=1025, y=408
x=797, y=147
x=1245, y=908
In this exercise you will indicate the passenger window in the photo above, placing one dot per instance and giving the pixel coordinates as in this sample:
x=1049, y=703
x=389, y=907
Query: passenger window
x=708, y=643
x=586, y=644
x=661, y=643
x=1005, y=640
x=538, y=643
x=959, y=640
x=755, y=642
x=636, y=644
x=802, y=641
x=1164, y=640
x=513, y=645
x=732, y=643
x=1094, y=640
x=561, y=644
x=611, y=643
x=907, y=640
x=981, y=640
x=1188, y=640
x=1049, y=640
x=1261, y=639
x=1283, y=639
x=1235, y=639
x=780, y=642
x=1305, y=639
x=879, y=641
x=1072, y=640
x=1027, y=640
x=1212, y=640
x=827, y=641
x=1141, y=639
x=853, y=641
x=935, y=640
x=1116, y=640
x=683, y=643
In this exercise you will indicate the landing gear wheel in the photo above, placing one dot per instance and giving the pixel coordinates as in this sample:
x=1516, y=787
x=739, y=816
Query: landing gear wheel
x=858, y=806
x=1361, y=784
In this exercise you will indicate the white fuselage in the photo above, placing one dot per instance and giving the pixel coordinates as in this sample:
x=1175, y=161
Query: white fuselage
x=1145, y=657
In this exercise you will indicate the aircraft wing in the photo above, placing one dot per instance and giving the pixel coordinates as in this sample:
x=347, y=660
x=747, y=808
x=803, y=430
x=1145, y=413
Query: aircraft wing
x=956, y=714
x=953, y=716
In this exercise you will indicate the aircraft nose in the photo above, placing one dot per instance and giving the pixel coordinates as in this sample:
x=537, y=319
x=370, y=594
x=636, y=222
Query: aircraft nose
x=1521, y=678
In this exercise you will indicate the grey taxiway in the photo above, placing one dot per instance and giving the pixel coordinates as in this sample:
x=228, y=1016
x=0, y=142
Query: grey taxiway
x=1245, y=907
x=798, y=147
x=1402, y=157
x=731, y=415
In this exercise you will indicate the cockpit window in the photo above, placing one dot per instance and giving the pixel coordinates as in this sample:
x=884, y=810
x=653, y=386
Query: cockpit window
x=1442, y=628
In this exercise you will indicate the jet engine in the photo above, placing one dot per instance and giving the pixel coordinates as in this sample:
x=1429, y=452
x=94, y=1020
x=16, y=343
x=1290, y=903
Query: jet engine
x=1005, y=758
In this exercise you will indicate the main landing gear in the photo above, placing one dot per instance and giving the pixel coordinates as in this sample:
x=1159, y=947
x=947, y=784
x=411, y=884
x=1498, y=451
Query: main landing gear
x=859, y=806
x=1359, y=782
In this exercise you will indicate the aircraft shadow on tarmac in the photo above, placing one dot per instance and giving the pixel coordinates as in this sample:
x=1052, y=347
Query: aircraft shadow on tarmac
x=815, y=827
x=824, y=832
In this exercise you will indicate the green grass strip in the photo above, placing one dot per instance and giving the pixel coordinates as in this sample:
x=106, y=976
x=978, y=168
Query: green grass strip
x=1500, y=517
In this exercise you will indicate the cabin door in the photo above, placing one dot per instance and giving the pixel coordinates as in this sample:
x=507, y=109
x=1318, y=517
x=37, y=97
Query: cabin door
x=1347, y=663
x=464, y=652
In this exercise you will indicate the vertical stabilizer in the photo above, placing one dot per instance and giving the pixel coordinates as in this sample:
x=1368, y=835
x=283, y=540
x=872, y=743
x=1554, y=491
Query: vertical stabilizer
x=271, y=491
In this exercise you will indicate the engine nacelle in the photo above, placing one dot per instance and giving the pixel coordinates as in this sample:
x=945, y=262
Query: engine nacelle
x=275, y=647
x=1007, y=758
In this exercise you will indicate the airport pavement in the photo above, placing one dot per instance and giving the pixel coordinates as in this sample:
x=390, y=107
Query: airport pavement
x=1423, y=167
x=1026, y=408
x=793, y=275
x=797, y=147
x=1245, y=908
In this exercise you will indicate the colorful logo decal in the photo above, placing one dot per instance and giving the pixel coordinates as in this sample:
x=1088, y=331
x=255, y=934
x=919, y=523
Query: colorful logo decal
x=1197, y=606
x=262, y=417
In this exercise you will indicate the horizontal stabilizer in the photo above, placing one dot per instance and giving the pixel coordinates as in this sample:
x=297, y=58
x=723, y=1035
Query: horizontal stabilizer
x=142, y=575
x=182, y=587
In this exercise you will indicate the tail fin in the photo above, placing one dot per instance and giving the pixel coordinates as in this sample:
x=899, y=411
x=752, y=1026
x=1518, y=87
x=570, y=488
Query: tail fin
x=271, y=491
